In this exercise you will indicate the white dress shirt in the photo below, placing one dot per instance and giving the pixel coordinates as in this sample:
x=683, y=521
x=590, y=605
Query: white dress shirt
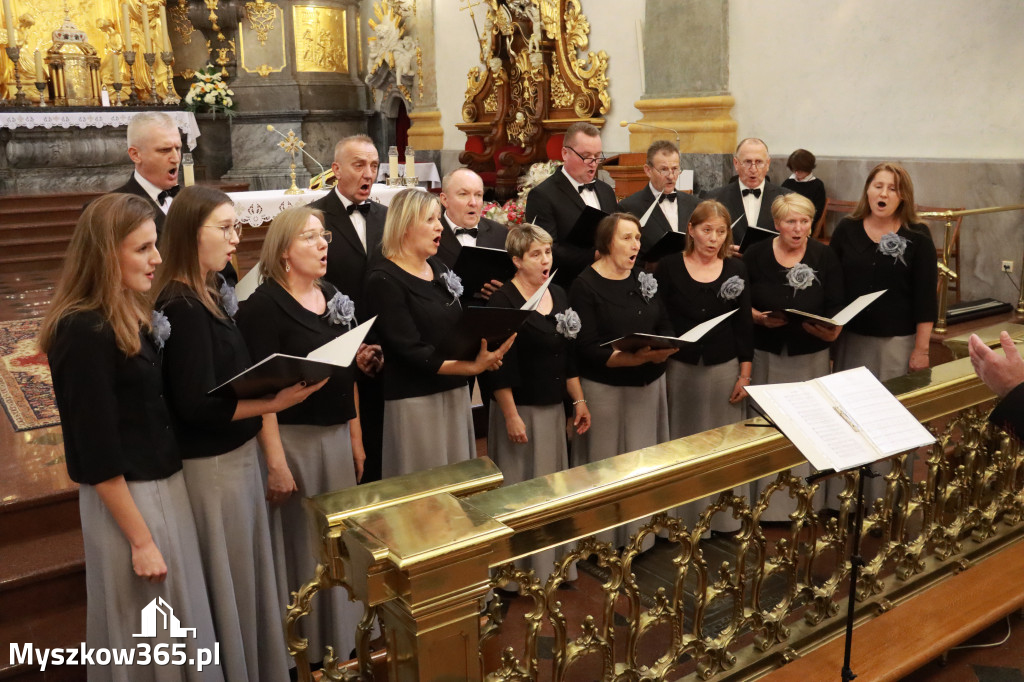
x=464, y=239
x=669, y=208
x=153, y=191
x=357, y=218
x=589, y=196
x=752, y=204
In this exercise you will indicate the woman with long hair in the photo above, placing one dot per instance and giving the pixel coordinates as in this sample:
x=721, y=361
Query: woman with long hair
x=316, y=446
x=427, y=417
x=218, y=434
x=105, y=350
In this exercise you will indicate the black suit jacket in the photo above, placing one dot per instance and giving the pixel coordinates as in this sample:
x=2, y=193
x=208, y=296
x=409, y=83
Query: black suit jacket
x=730, y=196
x=133, y=187
x=555, y=205
x=491, y=235
x=657, y=225
x=347, y=260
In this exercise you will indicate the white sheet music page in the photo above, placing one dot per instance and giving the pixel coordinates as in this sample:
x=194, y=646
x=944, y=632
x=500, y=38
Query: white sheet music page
x=811, y=422
x=342, y=350
x=879, y=415
x=704, y=327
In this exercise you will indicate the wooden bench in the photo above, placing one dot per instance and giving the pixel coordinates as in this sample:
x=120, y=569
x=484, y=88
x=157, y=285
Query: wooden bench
x=922, y=628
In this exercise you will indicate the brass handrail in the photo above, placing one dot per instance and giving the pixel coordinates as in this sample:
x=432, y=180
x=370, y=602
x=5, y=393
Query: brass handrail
x=947, y=246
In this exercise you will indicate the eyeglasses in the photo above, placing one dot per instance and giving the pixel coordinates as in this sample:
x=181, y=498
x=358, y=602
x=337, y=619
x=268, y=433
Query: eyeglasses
x=753, y=163
x=668, y=172
x=228, y=230
x=312, y=236
x=589, y=160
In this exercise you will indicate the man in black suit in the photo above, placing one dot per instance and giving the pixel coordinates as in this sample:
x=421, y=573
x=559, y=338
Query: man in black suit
x=674, y=208
x=462, y=195
x=750, y=200
x=556, y=203
x=1005, y=376
x=154, y=146
x=358, y=227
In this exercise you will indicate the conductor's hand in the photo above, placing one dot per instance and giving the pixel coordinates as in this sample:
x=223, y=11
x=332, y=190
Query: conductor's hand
x=647, y=354
x=1001, y=374
x=148, y=562
x=491, y=360
x=822, y=332
x=293, y=395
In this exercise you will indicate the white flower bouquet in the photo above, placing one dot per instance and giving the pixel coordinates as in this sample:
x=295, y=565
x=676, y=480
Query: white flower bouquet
x=210, y=93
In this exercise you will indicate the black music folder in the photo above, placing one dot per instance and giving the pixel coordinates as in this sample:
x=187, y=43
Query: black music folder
x=755, y=234
x=478, y=265
x=493, y=324
x=670, y=242
x=583, y=230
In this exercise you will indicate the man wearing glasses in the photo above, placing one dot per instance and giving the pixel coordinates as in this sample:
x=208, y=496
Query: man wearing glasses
x=750, y=200
x=557, y=203
x=674, y=208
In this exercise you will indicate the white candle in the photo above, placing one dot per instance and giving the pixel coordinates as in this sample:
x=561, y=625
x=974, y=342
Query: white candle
x=393, y=162
x=166, y=35
x=126, y=27
x=147, y=42
x=40, y=71
x=190, y=174
x=12, y=37
x=115, y=66
x=410, y=163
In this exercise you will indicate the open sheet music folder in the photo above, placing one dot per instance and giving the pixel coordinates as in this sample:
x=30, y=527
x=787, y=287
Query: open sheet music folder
x=843, y=317
x=278, y=371
x=636, y=341
x=493, y=324
x=842, y=420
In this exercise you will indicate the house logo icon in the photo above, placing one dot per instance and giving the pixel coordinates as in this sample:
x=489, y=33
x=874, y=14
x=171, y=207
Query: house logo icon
x=158, y=615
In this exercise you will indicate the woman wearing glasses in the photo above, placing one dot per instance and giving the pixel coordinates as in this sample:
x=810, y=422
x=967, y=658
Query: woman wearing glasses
x=427, y=417
x=316, y=446
x=217, y=435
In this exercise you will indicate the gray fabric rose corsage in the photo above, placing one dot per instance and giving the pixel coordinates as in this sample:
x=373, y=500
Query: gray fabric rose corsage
x=731, y=288
x=341, y=309
x=452, y=281
x=228, y=299
x=892, y=244
x=648, y=285
x=568, y=323
x=800, y=276
x=160, y=329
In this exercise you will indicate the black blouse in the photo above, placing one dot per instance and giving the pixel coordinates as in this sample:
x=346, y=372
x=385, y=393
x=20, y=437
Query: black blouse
x=690, y=302
x=202, y=353
x=272, y=321
x=769, y=291
x=414, y=317
x=112, y=410
x=540, y=361
x=609, y=309
x=813, y=190
x=911, y=284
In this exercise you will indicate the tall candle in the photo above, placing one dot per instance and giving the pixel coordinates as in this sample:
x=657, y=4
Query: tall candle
x=163, y=24
x=115, y=66
x=40, y=71
x=392, y=161
x=188, y=169
x=410, y=163
x=147, y=42
x=12, y=37
x=126, y=27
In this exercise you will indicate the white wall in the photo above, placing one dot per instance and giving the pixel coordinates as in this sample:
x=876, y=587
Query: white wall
x=882, y=78
x=612, y=29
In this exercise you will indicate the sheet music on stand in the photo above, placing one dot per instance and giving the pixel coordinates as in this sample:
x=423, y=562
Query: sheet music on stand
x=842, y=420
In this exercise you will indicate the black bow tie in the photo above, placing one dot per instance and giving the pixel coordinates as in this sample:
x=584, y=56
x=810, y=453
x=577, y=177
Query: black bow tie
x=363, y=208
x=172, y=192
x=755, y=192
x=592, y=186
x=471, y=231
x=667, y=197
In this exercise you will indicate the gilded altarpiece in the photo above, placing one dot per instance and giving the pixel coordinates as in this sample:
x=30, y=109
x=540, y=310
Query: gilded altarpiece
x=537, y=77
x=321, y=39
x=261, y=41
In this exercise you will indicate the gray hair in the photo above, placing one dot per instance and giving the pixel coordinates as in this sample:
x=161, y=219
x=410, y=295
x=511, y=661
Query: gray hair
x=140, y=124
x=752, y=140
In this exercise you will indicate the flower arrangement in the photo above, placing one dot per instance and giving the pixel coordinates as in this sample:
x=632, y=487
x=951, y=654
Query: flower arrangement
x=731, y=288
x=800, y=276
x=648, y=285
x=894, y=245
x=509, y=213
x=568, y=323
x=341, y=309
x=210, y=93
x=538, y=173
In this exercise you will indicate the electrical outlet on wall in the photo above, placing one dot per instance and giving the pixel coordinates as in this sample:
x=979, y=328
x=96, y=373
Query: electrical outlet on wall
x=1007, y=266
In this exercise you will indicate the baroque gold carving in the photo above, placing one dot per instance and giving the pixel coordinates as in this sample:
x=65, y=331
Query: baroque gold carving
x=180, y=23
x=188, y=74
x=320, y=39
x=491, y=103
x=261, y=16
x=560, y=95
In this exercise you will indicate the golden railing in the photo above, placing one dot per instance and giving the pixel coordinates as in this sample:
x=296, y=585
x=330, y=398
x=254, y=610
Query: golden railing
x=946, y=273
x=424, y=552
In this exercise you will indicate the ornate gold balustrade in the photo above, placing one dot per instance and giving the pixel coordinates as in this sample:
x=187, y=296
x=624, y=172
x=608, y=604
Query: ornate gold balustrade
x=424, y=552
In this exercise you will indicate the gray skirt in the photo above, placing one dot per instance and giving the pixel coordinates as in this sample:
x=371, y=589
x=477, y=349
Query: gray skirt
x=771, y=368
x=622, y=419
x=886, y=356
x=320, y=459
x=116, y=596
x=427, y=431
x=229, y=505
x=544, y=452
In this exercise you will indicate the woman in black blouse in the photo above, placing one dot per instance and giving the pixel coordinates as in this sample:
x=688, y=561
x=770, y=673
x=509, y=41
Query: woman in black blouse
x=104, y=345
x=218, y=434
x=882, y=246
x=697, y=286
x=315, y=446
x=427, y=417
x=791, y=271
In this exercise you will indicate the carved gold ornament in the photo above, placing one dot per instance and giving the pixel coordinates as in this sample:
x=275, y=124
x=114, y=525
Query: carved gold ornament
x=321, y=39
x=180, y=23
x=560, y=95
x=261, y=18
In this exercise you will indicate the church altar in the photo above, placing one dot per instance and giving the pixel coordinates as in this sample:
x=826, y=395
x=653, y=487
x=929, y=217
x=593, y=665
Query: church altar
x=108, y=117
x=258, y=208
x=426, y=173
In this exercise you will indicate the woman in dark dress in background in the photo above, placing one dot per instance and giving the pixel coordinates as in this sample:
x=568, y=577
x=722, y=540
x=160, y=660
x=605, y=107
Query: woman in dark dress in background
x=104, y=345
x=218, y=434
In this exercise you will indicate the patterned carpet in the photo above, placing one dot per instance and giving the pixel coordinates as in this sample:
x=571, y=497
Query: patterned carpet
x=25, y=386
